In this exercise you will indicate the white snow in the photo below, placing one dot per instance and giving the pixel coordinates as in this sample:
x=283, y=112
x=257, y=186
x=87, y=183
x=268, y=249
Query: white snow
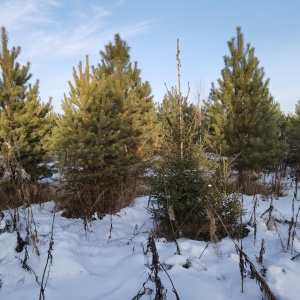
x=2, y=224
x=110, y=264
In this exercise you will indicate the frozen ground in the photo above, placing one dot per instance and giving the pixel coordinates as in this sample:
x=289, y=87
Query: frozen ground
x=107, y=260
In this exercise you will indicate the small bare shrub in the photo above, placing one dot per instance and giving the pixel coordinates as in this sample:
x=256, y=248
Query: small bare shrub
x=155, y=267
x=86, y=199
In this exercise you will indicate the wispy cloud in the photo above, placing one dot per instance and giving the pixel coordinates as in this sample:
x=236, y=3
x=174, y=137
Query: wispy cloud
x=87, y=34
x=133, y=29
x=100, y=11
x=19, y=14
x=120, y=2
x=42, y=32
x=55, y=35
x=81, y=39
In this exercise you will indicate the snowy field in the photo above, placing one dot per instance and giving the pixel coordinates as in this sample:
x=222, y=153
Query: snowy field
x=108, y=260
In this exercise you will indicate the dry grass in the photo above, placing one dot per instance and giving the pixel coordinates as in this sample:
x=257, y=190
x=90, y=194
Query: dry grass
x=85, y=201
x=25, y=195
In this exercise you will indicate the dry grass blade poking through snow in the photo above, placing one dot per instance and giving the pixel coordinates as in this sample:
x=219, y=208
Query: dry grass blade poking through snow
x=244, y=261
x=48, y=262
x=155, y=267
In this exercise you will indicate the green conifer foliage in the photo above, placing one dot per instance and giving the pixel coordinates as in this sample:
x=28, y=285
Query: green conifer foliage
x=293, y=136
x=178, y=180
x=87, y=139
x=25, y=122
x=188, y=190
x=104, y=136
x=244, y=119
x=137, y=110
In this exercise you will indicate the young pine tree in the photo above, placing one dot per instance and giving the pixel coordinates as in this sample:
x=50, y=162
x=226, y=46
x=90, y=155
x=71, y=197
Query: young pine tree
x=137, y=111
x=187, y=189
x=105, y=133
x=88, y=145
x=244, y=119
x=25, y=122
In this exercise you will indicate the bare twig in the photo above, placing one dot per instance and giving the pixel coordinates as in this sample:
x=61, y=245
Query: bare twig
x=48, y=262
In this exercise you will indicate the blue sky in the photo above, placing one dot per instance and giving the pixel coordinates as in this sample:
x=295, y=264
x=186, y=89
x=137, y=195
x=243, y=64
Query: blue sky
x=56, y=34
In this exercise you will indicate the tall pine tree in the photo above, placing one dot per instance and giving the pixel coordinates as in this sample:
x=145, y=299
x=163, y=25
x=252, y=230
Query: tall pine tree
x=244, y=119
x=137, y=110
x=104, y=136
x=25, y=122
x=88, y=143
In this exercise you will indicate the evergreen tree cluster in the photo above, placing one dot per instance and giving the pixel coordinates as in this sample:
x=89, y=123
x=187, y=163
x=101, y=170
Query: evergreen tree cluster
x=110, y=132
x=101, y=142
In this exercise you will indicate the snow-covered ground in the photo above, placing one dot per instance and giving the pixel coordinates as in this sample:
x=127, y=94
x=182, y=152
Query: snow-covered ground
x=107, y=261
